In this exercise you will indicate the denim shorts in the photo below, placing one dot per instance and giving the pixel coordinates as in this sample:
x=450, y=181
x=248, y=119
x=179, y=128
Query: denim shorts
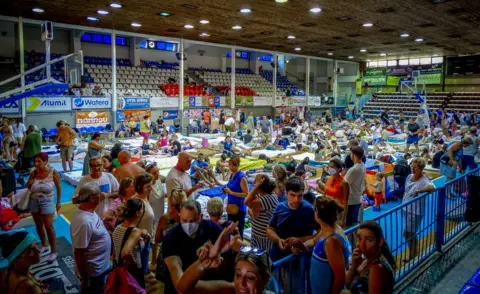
x=43, y=205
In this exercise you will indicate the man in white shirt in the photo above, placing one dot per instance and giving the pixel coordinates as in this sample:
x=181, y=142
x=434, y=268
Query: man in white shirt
x=90, y=241
x=355, y=178
x=106, y=182
x=229, y=124
x=178, y=177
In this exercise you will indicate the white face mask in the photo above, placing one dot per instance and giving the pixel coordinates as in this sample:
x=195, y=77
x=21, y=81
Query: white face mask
x=331, y=171
x=190, y=228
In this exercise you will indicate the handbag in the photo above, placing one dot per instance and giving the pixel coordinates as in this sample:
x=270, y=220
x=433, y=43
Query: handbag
x=23, y=205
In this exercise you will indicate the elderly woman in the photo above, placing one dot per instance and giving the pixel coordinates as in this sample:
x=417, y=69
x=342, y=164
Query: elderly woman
x=19, y=252
x=415, y=184
x=451, y=161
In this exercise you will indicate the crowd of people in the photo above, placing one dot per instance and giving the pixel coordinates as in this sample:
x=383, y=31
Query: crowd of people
x=125, y=219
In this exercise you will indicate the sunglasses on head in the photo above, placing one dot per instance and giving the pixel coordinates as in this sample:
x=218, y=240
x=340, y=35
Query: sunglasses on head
x=252, y=250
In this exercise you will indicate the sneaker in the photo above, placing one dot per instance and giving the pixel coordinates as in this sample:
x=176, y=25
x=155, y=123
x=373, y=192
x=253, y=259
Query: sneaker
x=44, y=250
x=52, y=257
x=152, y=267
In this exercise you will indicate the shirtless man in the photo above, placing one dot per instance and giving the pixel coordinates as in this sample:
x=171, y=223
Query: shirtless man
x=127, y=169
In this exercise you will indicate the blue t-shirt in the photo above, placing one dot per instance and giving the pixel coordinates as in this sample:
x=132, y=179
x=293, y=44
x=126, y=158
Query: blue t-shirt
x=292, y=223
x=202, y=164
x=234, y=185
x=227, y=146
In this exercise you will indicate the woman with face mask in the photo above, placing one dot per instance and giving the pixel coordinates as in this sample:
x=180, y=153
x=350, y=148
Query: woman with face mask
x=333, y=187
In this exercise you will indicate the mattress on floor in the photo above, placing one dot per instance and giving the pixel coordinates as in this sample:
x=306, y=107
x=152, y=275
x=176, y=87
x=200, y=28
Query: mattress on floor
x=273, y=153
x=77, y=166
x=245, y=164
x=72, y=178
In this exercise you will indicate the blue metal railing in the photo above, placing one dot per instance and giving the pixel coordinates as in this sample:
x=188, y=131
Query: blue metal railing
x=414, y=231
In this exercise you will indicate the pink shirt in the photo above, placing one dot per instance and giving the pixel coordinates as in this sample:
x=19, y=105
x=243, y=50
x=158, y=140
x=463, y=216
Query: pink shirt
x=163, y=142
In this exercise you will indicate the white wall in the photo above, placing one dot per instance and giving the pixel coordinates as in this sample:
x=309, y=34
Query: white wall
x=157, y=55
x=7, y=39
x=33, y=40
x=102, y=50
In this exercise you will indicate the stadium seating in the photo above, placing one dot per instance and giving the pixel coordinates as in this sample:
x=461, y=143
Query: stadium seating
x=282, y=83
x=469, y=102
x=189, y=90
x=244, y=78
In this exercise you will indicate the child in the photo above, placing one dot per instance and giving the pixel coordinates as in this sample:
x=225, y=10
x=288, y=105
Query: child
x=378, y=185
x=222, y=167
x=163, y=140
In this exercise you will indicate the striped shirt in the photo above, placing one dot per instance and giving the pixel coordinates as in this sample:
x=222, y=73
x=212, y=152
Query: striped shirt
x=260, y=223
x=117, y=237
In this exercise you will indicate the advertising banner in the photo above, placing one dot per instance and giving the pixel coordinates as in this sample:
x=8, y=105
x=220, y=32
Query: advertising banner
x=216, y=101
x=137, y=114
x=375, y=81
x=195, y=101
x=49, y=104
x=281, y=101
x=92, y=118
x=164, y=102
x=170, y=114
x=92, y=103
x=243, y=100
x=315, y=101
x=297, y=101
x=262, y=101
x=430, y=79
x=133, y=103
x=373, y=72
x=406, y=70
x=12, y=108
x=393, y=80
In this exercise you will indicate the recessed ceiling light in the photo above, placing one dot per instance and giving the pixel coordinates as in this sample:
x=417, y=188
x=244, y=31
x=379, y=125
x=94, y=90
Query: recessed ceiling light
x=91, y=18
x=363, y=50
x=298, y=49
x=435, y=55
x=204, y=21
x=245, y=10
x=367, y=25
x=315, y=9
x=38, y=10
x=204, y=35
x=404, y=35
x=291, y=37
x=164, y=13
x=102, y=12
x=330, y=53
x=236, y=28
x=419, y=40
x=281, y=1
x=368, y=60
x=188, y=26
x=383, y=54
x=136, y=24
x=350, y=57
x=116, y=5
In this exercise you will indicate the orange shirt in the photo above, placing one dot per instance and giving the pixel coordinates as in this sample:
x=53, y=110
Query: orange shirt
x=66, y=135
x=206, y=117
x=333, y=188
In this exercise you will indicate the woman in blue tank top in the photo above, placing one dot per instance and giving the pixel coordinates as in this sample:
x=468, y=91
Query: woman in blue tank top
x=331, y=249
x=236, y=190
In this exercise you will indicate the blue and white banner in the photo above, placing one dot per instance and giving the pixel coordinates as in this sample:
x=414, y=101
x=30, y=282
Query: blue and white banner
x=49, y=103
x=13, y=108
x=92, y=103
x=170, y=114
x=133, y=103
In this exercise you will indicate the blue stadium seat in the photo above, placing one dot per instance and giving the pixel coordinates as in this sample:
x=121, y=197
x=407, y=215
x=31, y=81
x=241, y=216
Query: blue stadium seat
x=466, y=289
x=52, y=132
x=100, y=129
x=475, y=279
x=91, y=129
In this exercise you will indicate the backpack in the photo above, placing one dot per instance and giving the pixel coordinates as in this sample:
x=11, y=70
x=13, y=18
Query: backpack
x=119, y=280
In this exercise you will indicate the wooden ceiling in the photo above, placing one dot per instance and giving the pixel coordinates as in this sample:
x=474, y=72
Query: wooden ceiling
x=448, y=27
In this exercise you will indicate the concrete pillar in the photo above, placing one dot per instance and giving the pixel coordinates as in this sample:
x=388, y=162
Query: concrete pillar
x=114, y=78
x=282, y=65
x=224, y=62
x=181, y=80
x=274, y=81
x=232, y=86
x=335, y=82
x=307, y=80
x=22, y=65
x=75, y=42
x=135, y=50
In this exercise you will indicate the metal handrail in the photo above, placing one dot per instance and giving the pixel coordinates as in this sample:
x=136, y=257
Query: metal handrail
x=39, y=67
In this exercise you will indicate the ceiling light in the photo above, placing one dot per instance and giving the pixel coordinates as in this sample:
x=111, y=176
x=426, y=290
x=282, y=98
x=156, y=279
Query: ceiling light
x=236, y=27
x=435, y=55
x=188, y=26
x=204, y=21
x=350, y=57
x=116, y=5
x=383, y=54
x=136, y=24
x=102, y=12
x=38, y=10
x=368, y=60
x=315, y=10
x=164, y=13
x=91, y=18
x=363, y=50
x=245, y=10
x=404, y=35
x=330, y=53
x=419, y=40
x=204, y=35
x=291, y=37
x=367, y=25
x=281, y=1
x=298, y=49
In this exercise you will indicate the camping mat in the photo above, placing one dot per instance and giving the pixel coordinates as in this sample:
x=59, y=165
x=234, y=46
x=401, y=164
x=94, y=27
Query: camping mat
x=245, y=164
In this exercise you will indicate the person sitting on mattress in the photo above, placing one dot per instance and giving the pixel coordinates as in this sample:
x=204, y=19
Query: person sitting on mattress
x=199, y=172
x=222, y=167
